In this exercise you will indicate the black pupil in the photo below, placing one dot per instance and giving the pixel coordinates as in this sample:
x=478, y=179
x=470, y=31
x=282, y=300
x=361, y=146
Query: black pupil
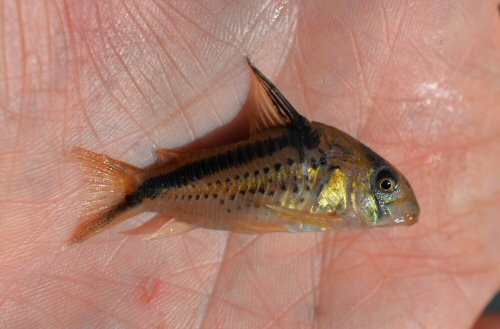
x=386, y=184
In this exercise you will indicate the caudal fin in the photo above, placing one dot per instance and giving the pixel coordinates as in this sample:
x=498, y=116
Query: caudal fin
x=109, y=181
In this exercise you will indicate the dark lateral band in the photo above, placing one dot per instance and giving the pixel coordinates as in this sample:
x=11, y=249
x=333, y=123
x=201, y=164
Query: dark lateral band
x=241, y=155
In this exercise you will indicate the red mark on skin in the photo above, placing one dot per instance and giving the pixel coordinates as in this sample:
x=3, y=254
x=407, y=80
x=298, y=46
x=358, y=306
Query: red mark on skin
x=149, y=287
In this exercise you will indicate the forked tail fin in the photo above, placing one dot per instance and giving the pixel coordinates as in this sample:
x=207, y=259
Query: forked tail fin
x=109, y=181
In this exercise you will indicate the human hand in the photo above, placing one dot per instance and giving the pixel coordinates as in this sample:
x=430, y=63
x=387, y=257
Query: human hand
x=417, y=82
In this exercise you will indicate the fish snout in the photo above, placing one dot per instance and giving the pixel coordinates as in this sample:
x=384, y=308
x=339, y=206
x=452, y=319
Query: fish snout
x=407, y=214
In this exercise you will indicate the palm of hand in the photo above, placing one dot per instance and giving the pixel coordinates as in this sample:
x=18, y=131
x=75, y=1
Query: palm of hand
x=419, y=84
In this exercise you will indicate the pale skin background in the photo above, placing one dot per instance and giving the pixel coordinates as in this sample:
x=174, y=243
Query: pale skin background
x=418, y=81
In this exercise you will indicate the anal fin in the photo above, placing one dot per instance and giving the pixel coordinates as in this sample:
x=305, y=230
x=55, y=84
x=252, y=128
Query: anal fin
x=171, y=228
x=150, y=226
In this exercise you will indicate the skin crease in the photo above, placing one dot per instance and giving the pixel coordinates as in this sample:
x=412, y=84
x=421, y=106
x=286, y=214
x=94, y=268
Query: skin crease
x=419, y=82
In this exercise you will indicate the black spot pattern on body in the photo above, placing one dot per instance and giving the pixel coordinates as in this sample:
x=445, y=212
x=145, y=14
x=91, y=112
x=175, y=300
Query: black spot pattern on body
x=277, y=166
x=299, y=136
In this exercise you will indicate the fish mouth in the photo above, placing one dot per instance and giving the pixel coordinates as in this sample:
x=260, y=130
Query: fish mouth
x=407, y=220
x=407, y=212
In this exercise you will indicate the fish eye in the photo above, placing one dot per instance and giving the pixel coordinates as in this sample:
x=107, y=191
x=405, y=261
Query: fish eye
x=386, y=181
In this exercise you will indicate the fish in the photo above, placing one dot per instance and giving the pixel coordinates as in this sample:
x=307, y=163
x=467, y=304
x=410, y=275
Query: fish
x=290, y=175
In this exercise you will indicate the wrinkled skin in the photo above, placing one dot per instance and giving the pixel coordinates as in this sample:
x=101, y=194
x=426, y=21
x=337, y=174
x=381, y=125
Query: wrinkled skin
x=417, y=82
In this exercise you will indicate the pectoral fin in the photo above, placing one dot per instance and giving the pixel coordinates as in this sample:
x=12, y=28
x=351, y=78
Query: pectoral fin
x=248, y=228
x=306, y=219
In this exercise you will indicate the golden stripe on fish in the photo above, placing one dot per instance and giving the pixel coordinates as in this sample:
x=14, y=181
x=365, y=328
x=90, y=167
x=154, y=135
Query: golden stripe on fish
x=290, y=175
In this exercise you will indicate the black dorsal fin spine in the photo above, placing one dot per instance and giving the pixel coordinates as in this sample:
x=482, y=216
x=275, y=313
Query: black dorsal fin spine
x=283, y=107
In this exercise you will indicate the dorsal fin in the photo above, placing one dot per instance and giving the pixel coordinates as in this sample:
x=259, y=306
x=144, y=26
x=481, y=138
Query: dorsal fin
x=273, y=109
